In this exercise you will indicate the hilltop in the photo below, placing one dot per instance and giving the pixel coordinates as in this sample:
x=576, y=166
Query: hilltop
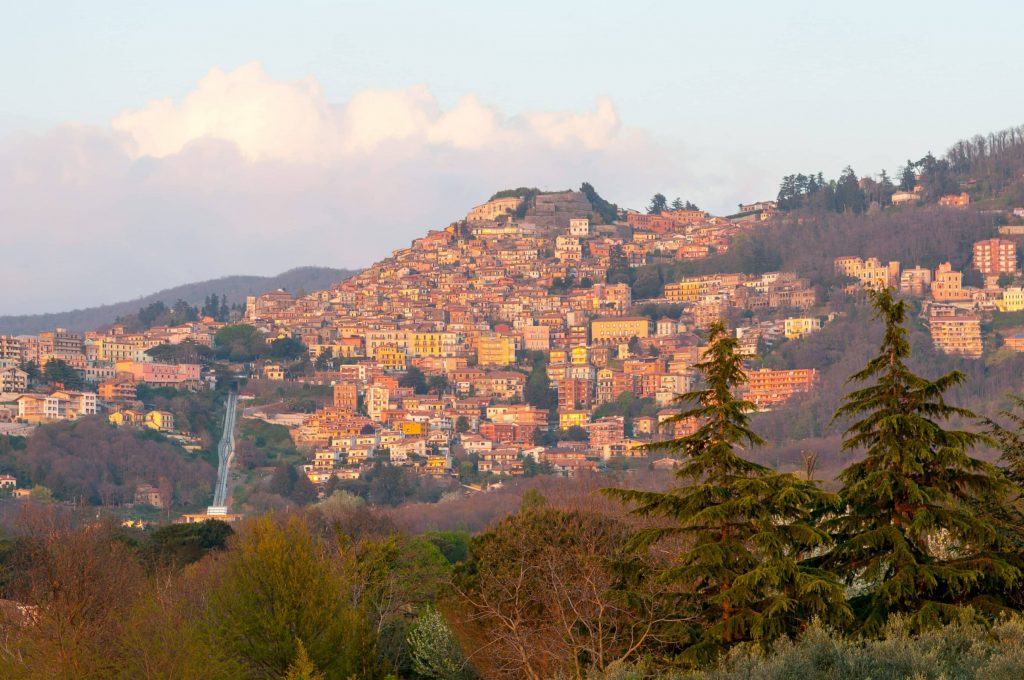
x=235, y=288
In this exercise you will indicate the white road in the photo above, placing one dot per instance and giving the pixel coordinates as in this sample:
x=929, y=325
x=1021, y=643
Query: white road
x=226, y=449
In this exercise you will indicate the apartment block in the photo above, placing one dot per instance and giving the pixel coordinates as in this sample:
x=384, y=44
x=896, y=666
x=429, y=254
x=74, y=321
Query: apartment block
x=995, y=256
x=619, y=329
x=767, y=387
x=957, y=334
x=496, y=350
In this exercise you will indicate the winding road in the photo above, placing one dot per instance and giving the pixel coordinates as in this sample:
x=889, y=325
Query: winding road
x=226, y=449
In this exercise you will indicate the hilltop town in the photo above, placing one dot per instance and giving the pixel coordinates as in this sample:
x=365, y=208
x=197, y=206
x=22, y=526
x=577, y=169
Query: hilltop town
x=520, y=339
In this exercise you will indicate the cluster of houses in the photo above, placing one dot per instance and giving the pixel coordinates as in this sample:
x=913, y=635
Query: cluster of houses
x=480, y=301
x=114, y=361
x=952, y=309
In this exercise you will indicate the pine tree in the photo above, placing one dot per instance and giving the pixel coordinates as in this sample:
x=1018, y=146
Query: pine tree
x=658, y=204
x=743, y=528
x=920, y=533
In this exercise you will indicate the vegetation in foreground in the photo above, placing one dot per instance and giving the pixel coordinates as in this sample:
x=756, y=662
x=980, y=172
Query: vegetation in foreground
x=913, y=569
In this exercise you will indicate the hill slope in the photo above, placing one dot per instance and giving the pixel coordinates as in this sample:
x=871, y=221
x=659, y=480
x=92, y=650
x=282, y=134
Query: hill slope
x=234, y=287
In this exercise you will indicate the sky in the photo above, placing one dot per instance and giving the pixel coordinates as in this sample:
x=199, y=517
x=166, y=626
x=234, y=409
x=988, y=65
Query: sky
x=149, y=144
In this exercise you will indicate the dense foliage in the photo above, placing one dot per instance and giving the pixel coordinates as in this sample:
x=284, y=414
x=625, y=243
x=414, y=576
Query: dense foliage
x=919, y=533
x=92, y=462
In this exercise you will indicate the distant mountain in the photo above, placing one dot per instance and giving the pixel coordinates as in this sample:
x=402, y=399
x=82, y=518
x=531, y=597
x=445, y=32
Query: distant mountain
x=234, y=287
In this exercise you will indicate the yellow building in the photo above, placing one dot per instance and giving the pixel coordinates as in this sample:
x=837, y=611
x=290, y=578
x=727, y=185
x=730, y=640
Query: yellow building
x=411, y=428
x=799, y=327
x=567, y=419
x=1013, y=300
x=432, y=343
x=957, y=334
x=580, y=355
x=687, y=290
x=162, y=421
x=494, y=208
x=391, y=358
x=125, y=417
x=870, y=272
x=273, y=372
x=619, y=328
x=496, y=350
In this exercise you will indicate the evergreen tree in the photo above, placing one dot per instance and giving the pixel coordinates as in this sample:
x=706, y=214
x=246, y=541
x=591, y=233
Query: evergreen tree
x=1010, y=440
x=908, y=176
x=538, y=391
x=744, y=527
x=848, y=194
x=920, y=534
x=658, y=204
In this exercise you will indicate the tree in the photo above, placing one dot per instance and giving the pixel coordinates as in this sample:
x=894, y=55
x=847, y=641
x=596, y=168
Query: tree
x=287, y=349
x=78, y=585
x=276, y=589
x=543, y=595
x=415, y=379
x=658, y=204
x=181, y=544
x=187, y=352
x=435, y=651
x=1010, y=439
x=1005, y=280
x=303, y=667
x=848, y=194
x=744, y=527
x=609, y=212
x=241, y=342
x=537, y=391
x=936, y=177
x=908, y=176
x=919, y=534
x=58, y=372
x=576, y=433
x=438, y=384
x=462, y=424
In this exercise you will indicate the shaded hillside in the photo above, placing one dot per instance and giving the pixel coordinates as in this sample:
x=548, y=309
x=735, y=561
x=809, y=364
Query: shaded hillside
x=808, y=241
x=843, y=347
x=234, y=287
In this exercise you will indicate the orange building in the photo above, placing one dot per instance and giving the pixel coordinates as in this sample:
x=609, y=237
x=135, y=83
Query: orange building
x=948, y=284
x=346, y=396
x=766, y=387
x=995, y=256
x=961, y=200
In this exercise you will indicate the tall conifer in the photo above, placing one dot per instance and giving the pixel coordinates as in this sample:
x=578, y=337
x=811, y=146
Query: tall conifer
x=742, y=529
x=919, y=534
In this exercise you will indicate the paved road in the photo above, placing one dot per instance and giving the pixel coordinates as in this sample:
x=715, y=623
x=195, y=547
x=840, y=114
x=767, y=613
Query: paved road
x=226, y=449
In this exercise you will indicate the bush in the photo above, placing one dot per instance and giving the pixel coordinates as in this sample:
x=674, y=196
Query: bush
x=965, y=649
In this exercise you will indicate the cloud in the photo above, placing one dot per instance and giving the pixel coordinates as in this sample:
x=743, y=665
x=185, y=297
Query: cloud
x=248, y=174
x=270, y=120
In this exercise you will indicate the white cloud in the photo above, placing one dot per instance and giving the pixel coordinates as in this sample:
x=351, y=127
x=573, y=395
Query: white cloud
x=592, y=130
x=246, y=174
x=266, y=119
x=271, y=120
